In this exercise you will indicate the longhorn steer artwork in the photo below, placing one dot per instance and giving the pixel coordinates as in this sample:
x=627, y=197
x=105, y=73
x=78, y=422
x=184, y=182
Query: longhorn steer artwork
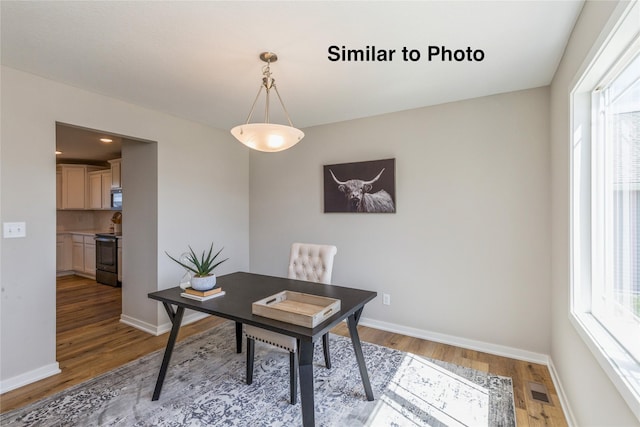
x=360, y=199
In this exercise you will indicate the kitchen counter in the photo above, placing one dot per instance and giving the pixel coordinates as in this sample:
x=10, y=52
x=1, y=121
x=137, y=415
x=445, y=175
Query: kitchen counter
x=81, y=232
x=84, y=232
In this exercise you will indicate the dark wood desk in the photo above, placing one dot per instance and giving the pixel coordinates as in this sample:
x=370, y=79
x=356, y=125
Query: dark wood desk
x=242, y=289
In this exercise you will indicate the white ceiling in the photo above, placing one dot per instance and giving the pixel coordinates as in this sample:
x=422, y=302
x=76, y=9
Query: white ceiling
x=79, y=145
x=199, y=60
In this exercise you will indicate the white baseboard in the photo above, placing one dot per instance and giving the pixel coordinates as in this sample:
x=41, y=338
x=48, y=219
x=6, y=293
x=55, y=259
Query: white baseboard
x=498, y=350
x=139, y=324
x=29, y=377
x=190, y=317
x=564, y=402
x=162, y=328
x=64, y=273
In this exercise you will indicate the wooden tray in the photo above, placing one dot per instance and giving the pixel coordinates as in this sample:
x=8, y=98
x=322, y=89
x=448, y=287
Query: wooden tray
x=297, y=308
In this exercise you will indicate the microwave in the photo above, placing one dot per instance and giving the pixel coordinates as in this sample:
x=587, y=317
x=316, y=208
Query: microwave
x=116, y=198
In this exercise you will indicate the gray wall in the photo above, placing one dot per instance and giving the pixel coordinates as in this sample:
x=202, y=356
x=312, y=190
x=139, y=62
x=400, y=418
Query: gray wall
x=466, y=254
x=594, y=399
x=140, y=231
x=191, y=160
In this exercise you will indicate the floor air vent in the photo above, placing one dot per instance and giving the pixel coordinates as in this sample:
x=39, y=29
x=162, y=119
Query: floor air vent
x=539, y=393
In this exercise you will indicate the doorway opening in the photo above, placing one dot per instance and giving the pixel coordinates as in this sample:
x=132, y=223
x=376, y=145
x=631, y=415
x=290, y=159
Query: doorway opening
x=106, y=184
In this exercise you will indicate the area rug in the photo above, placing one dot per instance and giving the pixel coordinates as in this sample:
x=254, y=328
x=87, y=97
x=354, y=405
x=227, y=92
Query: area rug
x=205, y=386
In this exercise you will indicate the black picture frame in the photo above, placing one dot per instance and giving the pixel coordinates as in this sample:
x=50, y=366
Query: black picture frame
x=360, y=187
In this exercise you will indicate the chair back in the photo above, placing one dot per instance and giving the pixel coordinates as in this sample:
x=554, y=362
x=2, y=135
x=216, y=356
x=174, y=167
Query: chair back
x=311, y=262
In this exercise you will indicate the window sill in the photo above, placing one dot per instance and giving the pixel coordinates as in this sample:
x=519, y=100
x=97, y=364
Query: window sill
x=619, y=366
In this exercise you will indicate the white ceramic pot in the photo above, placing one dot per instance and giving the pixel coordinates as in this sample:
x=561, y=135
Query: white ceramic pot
x=203, y=283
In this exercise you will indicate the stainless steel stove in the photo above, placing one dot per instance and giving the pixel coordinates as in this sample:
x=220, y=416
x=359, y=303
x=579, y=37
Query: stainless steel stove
x=107, y=259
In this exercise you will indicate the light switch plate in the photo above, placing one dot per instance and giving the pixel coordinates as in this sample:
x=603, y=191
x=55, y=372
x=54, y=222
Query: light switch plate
x=14, y=229
x=386, y=299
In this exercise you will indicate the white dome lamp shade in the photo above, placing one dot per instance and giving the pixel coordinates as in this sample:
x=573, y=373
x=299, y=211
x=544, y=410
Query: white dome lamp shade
x=268, y=137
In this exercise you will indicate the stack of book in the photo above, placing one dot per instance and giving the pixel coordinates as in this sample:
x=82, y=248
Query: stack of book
x=202, y=295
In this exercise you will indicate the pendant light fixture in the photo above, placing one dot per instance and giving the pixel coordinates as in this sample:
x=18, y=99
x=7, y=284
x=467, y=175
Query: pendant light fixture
x=269, y=137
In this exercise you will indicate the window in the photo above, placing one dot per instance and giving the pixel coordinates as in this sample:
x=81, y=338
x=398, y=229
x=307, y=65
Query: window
x=605, y=207
x=615, y=207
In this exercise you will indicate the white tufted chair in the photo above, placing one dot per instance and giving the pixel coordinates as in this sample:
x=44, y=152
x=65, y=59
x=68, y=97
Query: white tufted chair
x=309, y=262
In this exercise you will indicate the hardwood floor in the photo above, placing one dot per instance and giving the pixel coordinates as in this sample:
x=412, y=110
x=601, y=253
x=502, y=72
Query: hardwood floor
x=91, y=340
x=528, y=411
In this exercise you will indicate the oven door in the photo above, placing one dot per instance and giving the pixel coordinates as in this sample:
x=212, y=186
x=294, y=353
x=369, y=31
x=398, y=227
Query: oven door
x=107, y=254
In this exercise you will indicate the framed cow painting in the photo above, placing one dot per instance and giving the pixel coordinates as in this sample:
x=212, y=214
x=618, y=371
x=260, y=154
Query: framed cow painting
x=361, y=187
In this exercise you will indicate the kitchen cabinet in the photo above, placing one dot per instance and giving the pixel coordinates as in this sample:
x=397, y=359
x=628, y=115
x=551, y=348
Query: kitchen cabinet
x=106, y=189
x=99, y=189
x=90, y=256
x=116, y=173
x=63, y=253
x=77, y=253
x=95, y=190
x=72, y=185
x=83, y=255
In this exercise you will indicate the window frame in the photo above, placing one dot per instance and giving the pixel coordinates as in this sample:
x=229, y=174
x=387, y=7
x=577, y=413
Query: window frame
x=602, y=201
x=617, y=363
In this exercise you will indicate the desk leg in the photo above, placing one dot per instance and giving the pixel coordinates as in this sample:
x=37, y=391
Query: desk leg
x=352, y=322
x=176, y=319
x=238, y=337
x=305, y=368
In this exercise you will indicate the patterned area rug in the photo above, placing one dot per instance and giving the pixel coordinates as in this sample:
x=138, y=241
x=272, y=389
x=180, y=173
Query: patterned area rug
x=205, y=386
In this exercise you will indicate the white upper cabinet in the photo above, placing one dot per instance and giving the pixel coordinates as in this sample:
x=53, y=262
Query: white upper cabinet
x=72, y=190
x=73, y=186
x=95, y=190
x=116, y=173
x=99, y=189
x=106, y=189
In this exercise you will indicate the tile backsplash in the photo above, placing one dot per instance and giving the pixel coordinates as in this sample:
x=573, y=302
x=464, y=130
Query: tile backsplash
x=83, y=220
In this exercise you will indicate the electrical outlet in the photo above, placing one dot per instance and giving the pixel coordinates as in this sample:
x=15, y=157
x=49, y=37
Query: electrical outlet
x=386, y=299
x=14, y=229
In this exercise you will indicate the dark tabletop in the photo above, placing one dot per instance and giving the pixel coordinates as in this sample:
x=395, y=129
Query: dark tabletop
x=242, y=289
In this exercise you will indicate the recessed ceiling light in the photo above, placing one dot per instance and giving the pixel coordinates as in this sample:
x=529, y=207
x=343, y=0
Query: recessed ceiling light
x=106, y=140
x=58, y=152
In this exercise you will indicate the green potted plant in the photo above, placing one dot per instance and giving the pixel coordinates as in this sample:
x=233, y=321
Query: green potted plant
x=202, y=267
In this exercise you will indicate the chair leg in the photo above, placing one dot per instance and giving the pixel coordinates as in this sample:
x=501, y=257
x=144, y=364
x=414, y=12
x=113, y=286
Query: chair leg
x=325, y=346
x=250, y=354
x=293, y=376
